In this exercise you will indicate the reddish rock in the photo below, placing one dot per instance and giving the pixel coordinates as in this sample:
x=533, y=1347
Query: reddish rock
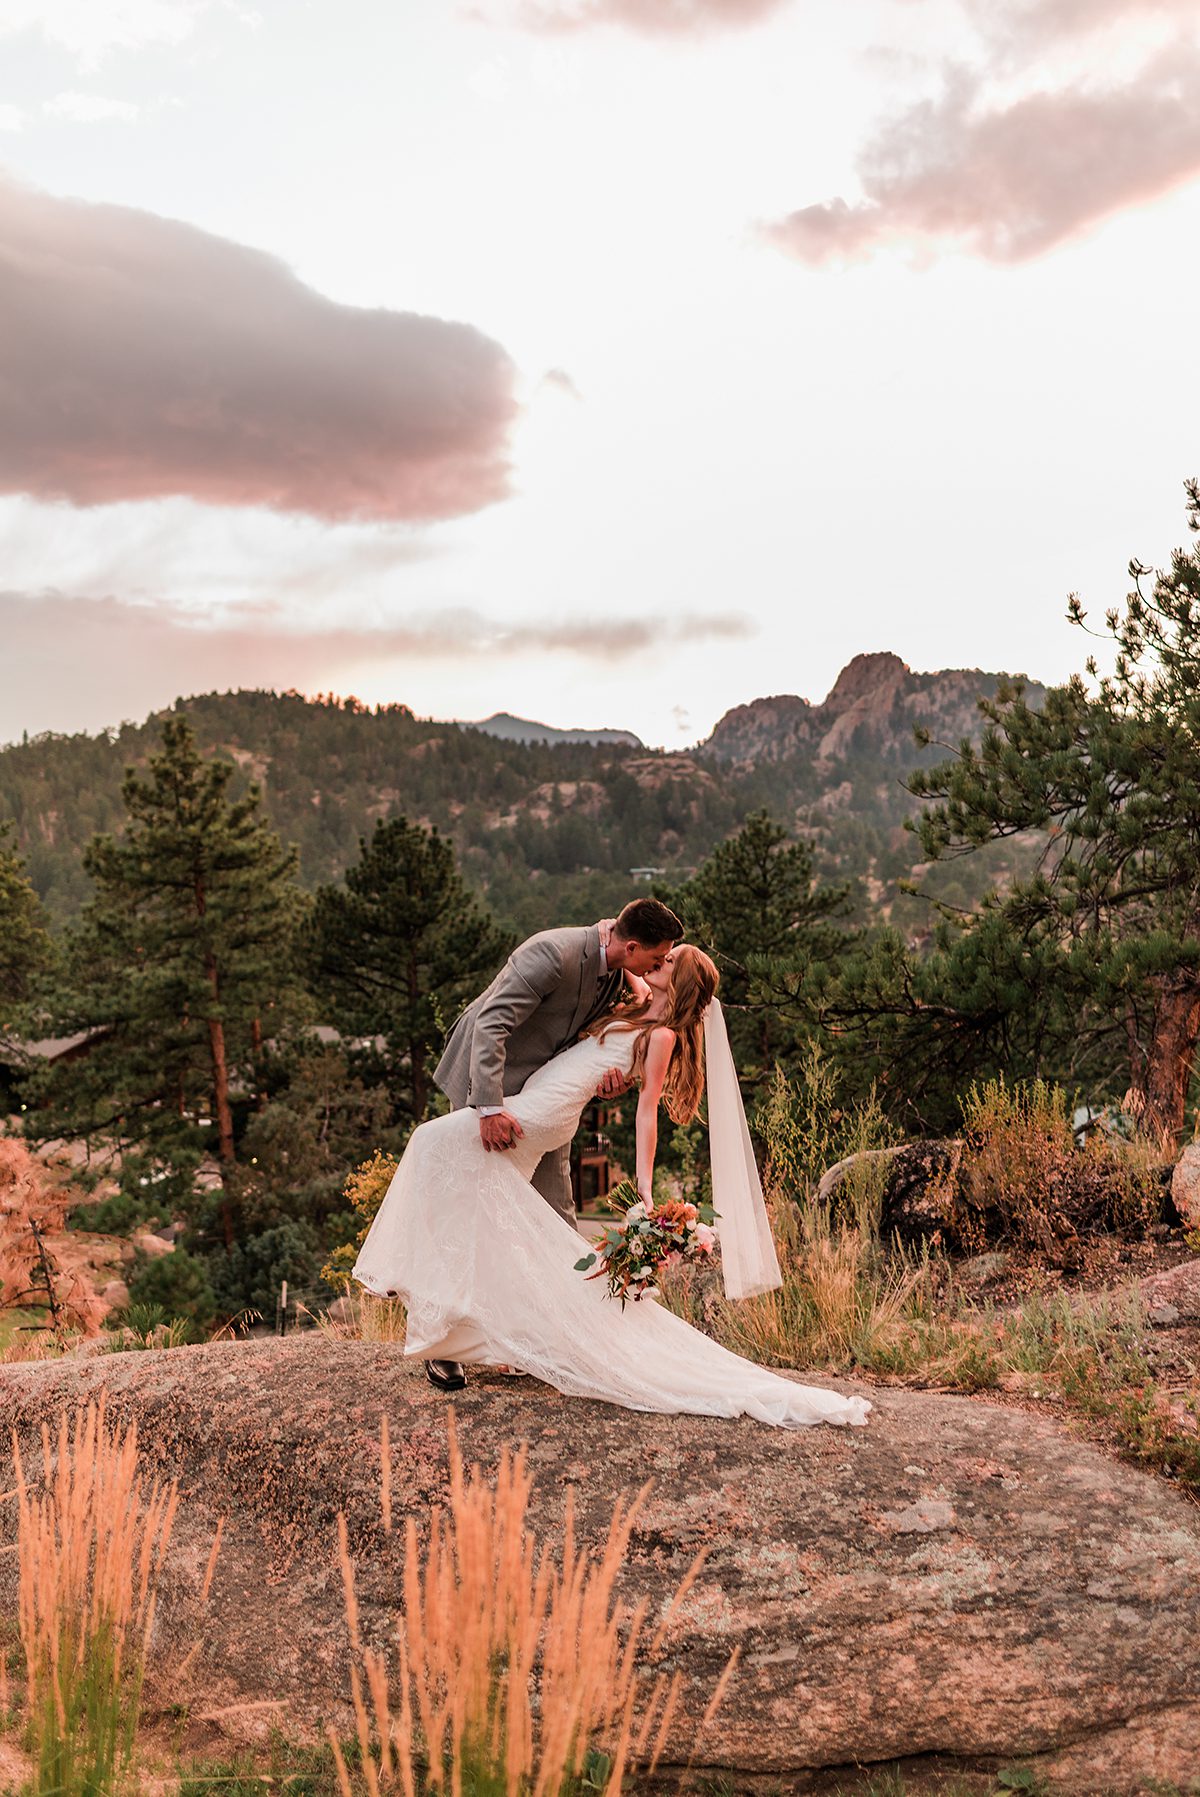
x=958, y=1582
x=1177, y=1288
x=873, y=704
x=151, y=1245
x=1185, y=1186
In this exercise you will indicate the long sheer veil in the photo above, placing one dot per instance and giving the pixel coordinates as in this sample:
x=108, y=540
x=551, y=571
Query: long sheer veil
x=748, y=1259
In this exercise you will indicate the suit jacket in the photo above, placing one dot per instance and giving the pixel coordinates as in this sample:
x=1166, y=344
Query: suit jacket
x=549, y=989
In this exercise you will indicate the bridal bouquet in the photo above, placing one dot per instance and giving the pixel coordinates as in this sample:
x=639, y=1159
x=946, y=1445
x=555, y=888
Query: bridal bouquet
x=632, y=1251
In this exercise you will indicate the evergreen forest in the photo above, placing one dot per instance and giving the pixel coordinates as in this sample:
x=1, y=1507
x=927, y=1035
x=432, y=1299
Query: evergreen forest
x=258, y=914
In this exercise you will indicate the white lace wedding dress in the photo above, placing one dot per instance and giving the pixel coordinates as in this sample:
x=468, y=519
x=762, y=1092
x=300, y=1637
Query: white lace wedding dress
x=487, y=1271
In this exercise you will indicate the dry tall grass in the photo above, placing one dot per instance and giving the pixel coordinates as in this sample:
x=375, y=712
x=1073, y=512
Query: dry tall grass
x=371, y=1320
x=91, y=1539
x=849, y=1298
x=517, y=1668
x=36, y=1344
x=845, y=1299
x=1022, y=1178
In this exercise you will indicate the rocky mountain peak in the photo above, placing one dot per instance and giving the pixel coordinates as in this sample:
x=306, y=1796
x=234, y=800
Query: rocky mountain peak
x=867, y=677
x=872, y=707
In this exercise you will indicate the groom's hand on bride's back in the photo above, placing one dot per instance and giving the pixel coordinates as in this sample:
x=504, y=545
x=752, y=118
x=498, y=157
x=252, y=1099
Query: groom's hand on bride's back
x=499, y=1130
x=613, y=1084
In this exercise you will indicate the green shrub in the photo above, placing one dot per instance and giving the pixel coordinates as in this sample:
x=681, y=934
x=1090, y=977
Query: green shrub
x=249, y=1276
x=807, y=1125
x=149, y=1326
x=177, y=1282
x=120, y=1214
x=1021, y=1177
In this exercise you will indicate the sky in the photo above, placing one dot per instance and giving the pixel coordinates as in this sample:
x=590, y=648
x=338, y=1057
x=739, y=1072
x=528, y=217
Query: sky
x=609, y=362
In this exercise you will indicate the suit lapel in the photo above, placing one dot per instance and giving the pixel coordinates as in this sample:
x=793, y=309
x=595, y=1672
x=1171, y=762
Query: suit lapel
x=589, y=981
x=608, y=991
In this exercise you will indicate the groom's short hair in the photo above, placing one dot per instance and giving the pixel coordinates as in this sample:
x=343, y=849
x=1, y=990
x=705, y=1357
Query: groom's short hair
x=649, y=922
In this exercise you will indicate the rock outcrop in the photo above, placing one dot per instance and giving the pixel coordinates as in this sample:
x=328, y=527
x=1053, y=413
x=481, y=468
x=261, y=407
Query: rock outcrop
x=872, y=705
x=1176, y=1289
x=959, y=1583
x=915, y=1177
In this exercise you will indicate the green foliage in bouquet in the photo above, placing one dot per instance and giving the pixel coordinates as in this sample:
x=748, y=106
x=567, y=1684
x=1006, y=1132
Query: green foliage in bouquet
x=633, y=1251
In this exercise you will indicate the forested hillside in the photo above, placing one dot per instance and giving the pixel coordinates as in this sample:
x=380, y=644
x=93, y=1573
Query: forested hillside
x=546, y=831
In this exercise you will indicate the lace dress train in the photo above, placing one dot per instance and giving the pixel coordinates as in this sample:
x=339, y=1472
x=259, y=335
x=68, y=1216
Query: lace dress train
x=486, y=1270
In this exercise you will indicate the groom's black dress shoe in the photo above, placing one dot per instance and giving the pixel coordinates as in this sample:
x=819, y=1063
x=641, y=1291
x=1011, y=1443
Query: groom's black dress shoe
x=447, y=1375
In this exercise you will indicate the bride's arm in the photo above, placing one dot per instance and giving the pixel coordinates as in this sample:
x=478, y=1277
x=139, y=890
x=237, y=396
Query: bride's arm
x=654, y=1074
x=614, y=1083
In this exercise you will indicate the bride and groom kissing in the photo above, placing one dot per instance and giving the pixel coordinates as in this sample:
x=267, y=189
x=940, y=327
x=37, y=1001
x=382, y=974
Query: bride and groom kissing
x=476, y=1232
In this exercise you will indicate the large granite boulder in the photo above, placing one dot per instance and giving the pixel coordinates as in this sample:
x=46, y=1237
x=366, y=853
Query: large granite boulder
x=957, y=1585
x=917, y=1178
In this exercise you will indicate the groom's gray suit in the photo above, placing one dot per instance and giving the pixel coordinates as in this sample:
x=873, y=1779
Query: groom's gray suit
x=550, y=989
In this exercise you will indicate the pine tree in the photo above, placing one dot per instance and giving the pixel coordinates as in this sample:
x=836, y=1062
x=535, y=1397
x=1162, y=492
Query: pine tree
x=180, y=963
x=758, y=909
x=395, y=952
x=1108, y=927
x=25, y=948
x=981, y=999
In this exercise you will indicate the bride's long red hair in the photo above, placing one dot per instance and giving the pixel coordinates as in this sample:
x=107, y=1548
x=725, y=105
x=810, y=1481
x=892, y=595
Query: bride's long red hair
x=694, y=980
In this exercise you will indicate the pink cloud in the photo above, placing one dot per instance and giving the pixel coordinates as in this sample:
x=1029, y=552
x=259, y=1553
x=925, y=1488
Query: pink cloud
x=1029, y=23
x=1008, y=183
x=1020, y=22
x=141, y=357
x=655, y=17
x=72, y=663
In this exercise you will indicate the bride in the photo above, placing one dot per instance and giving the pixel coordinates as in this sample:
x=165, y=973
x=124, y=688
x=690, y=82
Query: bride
x=487, y=1269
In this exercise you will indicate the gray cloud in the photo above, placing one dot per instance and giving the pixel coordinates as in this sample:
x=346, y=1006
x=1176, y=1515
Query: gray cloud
x=77, y=655
x=658, y=18
x=141, y=357
x=1010, y=182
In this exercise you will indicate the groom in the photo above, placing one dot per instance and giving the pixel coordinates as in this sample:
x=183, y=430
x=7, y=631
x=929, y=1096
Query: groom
x=546, y=994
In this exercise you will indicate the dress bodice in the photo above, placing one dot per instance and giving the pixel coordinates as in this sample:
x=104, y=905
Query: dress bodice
x=552, y=1100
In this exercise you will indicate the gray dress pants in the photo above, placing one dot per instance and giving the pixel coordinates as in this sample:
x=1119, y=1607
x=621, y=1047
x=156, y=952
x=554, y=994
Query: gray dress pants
x=552, y=1178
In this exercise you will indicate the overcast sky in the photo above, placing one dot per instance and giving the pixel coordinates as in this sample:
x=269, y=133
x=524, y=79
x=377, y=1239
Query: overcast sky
x=604, y=361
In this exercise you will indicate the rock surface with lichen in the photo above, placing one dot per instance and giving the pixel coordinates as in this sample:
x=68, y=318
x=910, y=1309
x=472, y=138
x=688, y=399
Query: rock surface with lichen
x=960, y=1584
